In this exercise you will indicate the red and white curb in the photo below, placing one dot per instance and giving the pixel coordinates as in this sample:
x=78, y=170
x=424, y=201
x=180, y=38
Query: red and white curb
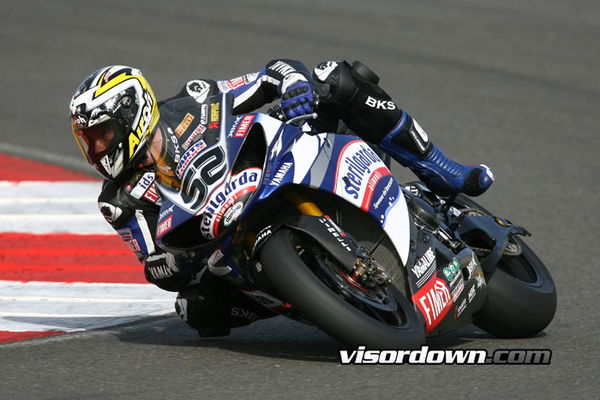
x=62, y=267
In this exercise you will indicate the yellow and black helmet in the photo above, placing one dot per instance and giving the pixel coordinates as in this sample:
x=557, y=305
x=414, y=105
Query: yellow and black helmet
x=113, y=112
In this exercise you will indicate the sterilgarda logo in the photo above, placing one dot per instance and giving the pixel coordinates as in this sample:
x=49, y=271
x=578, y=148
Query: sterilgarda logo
x=225, y=197
x=358, y=172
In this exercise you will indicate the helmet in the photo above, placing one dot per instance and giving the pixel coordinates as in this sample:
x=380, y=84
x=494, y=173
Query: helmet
x=113, y=113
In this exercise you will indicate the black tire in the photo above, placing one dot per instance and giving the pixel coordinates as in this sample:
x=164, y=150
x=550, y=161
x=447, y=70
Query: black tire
x=318, y=303
x=521, y=299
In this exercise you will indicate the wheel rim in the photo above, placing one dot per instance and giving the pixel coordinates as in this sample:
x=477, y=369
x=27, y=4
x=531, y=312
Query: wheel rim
x=384, y=305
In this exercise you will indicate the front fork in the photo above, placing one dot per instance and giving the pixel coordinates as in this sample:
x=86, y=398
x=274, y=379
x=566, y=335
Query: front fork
x=360, y=268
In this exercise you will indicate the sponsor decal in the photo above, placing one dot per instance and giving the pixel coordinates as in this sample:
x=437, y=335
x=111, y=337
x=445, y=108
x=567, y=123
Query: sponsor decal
x=224, y=86
x=214, y=111
x=134, y=246
x=237, y=82
x=125, y=234
x=148, y=110
x=461, y=308
x=184, y=124
x=164, y=226
x=214, y=115
x=189, y=156
x=175, y=142
x=359, y=171
x=163, y=214
x=131, y=242
x=458, y=289
x=472, y=265
x=386, y=189
x=335, y=231
x=281, y=173
x=204, y=114
x=283, y=68
x=424, y=267
x=471, y=293
x=380, y=104
x=198, y=89
x=420, y=131
x=232, y=213
x=261, y=237
x=452, y=270
x=199, y=130
x=234, y=125
x=243, y=313
x=225, y=197
x=244, y=126
x=152, y=194
x=142, y=185
x=433, y=300
x=78, y=122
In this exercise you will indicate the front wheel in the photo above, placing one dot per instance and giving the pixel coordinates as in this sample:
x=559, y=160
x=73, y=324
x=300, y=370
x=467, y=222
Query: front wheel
x=312, y=282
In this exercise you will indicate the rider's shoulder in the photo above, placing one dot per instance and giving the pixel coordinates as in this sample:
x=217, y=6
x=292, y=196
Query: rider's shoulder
x=197, y=89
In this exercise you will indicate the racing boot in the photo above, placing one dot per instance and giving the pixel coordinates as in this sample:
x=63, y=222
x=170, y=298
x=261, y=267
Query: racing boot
x=408, y=144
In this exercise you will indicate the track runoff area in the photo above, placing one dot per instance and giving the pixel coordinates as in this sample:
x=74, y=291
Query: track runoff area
x=62, y=267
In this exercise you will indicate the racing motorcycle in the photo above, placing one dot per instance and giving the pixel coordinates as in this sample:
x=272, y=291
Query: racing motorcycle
x=315, y=227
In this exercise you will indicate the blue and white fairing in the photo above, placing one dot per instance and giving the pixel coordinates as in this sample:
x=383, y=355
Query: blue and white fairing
x=343, y=165
x=340, y=164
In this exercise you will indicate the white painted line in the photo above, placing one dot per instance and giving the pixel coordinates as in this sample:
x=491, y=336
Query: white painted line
x=64, y=218
x=51, y=315
x=42, y=306
x=47, y=200
x=51, y=207
x=82, y=299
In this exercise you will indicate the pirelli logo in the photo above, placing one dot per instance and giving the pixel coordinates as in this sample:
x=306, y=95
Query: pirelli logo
x=184, y=124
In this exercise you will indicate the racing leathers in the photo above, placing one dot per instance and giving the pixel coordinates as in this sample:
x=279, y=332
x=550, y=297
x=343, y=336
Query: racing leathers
x=345, y=92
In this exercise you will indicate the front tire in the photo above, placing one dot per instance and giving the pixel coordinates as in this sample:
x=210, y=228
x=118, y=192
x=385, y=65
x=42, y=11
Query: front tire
x=319, y=303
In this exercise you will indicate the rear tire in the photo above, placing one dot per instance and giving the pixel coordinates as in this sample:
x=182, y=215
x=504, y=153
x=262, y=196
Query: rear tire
x=521, y=297
x=319, y=303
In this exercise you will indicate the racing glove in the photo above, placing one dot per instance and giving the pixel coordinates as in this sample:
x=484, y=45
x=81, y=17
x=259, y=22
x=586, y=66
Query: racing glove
x=297, y=97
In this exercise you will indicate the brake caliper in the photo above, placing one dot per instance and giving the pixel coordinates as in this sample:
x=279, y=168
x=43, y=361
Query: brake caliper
x=369, y=273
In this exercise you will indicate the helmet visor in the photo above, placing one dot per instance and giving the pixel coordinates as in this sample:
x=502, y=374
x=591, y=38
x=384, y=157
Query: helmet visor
x=99, y=140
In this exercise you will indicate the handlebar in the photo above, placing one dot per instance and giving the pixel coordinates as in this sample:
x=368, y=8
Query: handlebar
x=277, y=112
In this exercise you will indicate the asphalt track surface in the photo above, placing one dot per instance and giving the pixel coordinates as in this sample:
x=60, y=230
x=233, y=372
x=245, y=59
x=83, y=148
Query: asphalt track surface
x=510, y=83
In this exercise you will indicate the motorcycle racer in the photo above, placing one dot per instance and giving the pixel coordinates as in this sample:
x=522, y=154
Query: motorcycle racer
x=114, y=114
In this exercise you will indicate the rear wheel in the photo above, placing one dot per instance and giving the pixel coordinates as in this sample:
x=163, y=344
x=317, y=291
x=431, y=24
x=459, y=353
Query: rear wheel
x=521, y=296
x=308, y=278
x=521, y=299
